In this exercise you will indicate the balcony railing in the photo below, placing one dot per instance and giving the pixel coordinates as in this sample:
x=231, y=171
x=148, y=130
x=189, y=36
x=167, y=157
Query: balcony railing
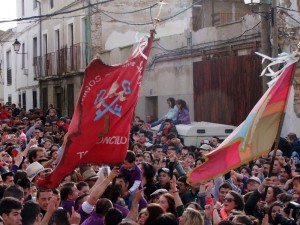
x=63, y=61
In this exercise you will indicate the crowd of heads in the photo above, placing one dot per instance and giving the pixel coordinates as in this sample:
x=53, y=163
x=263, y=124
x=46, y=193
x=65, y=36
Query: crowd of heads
x=148, y=187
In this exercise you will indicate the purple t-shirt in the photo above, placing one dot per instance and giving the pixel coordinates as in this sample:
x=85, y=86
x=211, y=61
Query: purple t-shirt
x=67, y=205
x=134, y=174
x=123, y=210
x=83, y=215
x=94, y=219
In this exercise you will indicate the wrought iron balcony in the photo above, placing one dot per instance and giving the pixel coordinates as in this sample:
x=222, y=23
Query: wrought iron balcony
x=61, y=62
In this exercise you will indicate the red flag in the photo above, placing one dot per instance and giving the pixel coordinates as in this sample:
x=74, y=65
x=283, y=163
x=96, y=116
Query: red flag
x=100, y=127
x=254, y=137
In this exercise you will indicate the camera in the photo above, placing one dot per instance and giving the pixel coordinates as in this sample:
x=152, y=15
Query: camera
x=279, y=219
x=296, y=209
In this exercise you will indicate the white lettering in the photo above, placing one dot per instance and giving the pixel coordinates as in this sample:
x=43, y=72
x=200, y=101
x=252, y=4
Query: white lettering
x=114, y=140
x=81, y=154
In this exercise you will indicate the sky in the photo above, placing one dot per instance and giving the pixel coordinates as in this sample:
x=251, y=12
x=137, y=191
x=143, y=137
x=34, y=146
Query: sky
x=7, y=11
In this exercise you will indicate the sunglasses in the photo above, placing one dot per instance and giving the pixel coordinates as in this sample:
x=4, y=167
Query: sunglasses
x=229, y=200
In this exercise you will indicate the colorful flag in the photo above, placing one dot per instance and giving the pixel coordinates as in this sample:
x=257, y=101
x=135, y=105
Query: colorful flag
x=251, y=139
x=100, y=127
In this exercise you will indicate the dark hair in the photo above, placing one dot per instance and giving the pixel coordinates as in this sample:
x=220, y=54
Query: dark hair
x=65, y=192
x=113, y=217
x=172, y=100
x=7, y=204
x=115, y=192
x=154, y=211
x=195, y=204
x=81, y=184
x=24, y=183
x=171, y=203
x=29, y=212
x=32, y=153
x=276, y=191
x=276, y=203
x=225, y=185
x=14, y=191
x=19, y=175
x=245, y=168
x=79, y=201
x=182, y=103
x=150, y=154
x=139, y=145
x=41, y=190
x=60, y=217
x=148, y=172
x=103, y=205
x=166, y=219
x=238, y=199
x=130, y=156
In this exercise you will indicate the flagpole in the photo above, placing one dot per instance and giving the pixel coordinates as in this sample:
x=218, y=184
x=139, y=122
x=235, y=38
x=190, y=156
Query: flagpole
x=156, y=19
x=280, y=126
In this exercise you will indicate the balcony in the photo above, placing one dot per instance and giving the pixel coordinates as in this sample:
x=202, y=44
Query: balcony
x=61, y=62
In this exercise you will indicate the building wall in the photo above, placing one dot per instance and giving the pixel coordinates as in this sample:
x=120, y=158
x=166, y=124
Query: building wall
x=170, y=71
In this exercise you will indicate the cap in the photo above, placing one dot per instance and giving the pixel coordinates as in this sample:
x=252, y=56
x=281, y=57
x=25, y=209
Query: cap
x=25, y=118
x=34, y=169
x=159, y=192
x=89, y=174
x=206, y=147
x=278, y=152
x=254, y=179
x=166, y=170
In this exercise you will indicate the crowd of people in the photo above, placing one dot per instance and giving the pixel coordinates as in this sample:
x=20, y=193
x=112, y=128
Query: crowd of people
x=148, y=187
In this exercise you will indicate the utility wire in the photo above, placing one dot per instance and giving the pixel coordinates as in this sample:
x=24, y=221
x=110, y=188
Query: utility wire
x=53, y=14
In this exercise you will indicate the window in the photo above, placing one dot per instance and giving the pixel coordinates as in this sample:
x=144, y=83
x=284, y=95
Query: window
x=23, y=7
x=23, y=56
x=24, y=100
x=45, y=44
x=34, y=4
x=70, y=34
x=34, y=99
x=57, y=41
x=34, y=47
x=20, y=99
x=9, y=99
x=8, y=66
x=51, y=4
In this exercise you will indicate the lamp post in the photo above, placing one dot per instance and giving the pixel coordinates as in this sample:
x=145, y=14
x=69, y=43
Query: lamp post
x=17, y=46
x=268, y=12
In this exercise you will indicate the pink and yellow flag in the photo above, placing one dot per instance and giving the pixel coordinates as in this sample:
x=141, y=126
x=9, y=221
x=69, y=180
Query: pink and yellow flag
x=254, y=137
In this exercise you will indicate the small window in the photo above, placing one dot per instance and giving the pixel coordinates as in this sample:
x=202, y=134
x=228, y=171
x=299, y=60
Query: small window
x=51, y=4
x=35, y=4
x=23, y=7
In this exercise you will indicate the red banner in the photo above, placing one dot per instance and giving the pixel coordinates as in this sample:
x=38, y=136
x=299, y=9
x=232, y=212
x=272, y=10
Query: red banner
x=100, y=127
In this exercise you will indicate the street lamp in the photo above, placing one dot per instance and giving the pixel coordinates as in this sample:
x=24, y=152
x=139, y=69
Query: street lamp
x=17, y=46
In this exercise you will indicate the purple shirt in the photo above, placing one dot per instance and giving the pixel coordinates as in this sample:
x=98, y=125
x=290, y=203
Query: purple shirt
x=123, y=210
x=94, y=219
x=134, y=174
x=83, y=215
x=67, y=205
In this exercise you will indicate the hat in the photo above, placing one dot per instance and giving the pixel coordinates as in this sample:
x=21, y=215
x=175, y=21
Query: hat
x=256, y=179
x=25, y=118
x=34, y=169
x=278, y=152
x=166, y=170
x=89, y=174
x=159, y=192
x=206, y=147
